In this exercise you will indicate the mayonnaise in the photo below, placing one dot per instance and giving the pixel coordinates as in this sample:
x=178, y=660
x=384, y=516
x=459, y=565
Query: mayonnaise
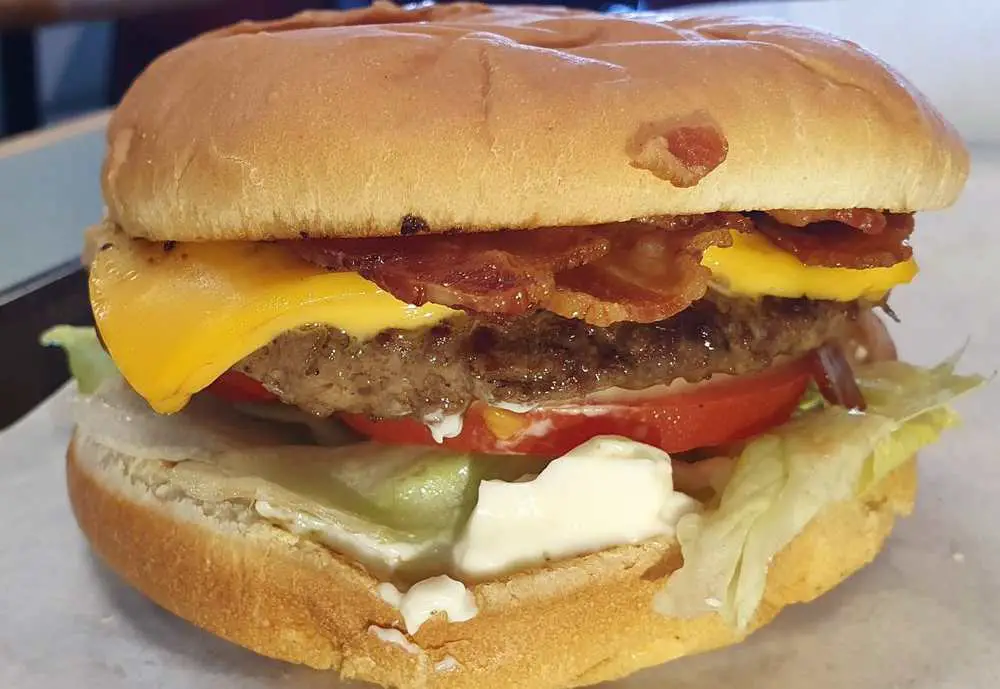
x=446, y=664
x=609, y=491
x=382, y=555
x=516, y=407
x=423, y=599
x=396, y=637
x=443, y=425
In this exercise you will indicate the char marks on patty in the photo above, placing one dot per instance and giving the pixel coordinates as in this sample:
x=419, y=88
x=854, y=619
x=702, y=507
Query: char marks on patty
x=536, y=358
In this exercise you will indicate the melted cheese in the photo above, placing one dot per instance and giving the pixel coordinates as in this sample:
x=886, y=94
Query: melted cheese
x=754, y=267
x=175, y=320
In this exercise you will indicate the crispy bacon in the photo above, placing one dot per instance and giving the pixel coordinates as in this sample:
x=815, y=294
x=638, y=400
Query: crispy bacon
x=865, y=219
x=641, y=271
x=654, y=276
x=681, y=154
x=492, y=272
x=734, y=221
x=838, y=245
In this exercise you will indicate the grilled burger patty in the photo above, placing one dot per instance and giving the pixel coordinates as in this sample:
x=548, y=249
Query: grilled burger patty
x=536, y=358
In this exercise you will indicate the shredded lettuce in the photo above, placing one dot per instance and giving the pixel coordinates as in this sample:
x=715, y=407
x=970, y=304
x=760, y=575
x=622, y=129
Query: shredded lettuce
x=89, y=364
x=785, y=478
x=811, y=400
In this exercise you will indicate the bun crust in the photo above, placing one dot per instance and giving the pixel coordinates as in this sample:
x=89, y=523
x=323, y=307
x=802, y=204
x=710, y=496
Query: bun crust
x=383, y=120
x=573, y=623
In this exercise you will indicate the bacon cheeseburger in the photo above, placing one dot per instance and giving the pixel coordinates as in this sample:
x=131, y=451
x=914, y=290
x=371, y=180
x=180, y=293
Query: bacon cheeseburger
x=472, y=347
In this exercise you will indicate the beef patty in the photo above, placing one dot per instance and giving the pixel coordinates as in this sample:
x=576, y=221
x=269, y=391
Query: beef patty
x=535, y=358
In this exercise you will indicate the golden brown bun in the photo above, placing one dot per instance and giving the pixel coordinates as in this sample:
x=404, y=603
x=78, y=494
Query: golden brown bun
x=573, y=623
x=366, y=122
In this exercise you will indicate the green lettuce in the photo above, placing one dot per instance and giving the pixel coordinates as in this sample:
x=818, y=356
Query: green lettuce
x=89, y=364
x=783, y=479
x=410, y=490
x=811, y=400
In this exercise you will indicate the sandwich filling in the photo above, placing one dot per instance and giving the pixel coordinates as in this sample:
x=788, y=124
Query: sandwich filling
x=220, y=302
x=475, y=404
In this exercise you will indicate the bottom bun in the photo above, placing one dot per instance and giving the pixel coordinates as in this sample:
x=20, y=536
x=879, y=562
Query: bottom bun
x=572, y=623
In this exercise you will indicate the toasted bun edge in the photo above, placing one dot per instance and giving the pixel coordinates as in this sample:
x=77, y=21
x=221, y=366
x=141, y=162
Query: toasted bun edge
x=575, y=622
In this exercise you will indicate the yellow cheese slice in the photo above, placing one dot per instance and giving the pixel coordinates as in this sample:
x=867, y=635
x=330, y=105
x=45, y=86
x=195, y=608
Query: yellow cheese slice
x=174, y=321
x=754, y=267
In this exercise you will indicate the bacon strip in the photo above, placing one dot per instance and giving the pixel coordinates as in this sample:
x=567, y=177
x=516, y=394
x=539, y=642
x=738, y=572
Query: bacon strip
x=837, y=245
x=495, y=272
x=656, y=275
x=682, y=154
x=865, y=219
x=641, y=271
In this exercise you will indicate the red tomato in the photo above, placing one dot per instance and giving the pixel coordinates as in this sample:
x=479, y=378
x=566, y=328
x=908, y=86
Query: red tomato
x=236, y=387
x=705, y=415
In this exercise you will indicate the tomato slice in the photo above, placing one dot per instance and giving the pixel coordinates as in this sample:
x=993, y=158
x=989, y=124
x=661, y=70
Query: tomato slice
x=234, y=386
x=705, y=415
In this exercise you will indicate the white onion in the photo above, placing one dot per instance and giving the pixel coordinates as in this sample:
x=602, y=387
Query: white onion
x=121, y=420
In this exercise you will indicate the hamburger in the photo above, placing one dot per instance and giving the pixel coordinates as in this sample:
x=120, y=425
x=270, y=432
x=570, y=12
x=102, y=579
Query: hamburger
x=459, y=346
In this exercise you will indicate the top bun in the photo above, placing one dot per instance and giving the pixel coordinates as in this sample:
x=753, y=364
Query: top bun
x=385, y=121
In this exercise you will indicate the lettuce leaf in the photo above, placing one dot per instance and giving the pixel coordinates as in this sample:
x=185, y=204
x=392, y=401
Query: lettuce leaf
x=785, y=478
x=395, y=491
x=412, y=489
x=89, y=364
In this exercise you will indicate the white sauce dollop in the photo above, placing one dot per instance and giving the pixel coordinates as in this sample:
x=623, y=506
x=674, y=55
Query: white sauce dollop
x=389, y=555
x=396, y=637
x=515, y=407
x=443, y=426
x=423, y=599
x=609, y=491
x=446, y=664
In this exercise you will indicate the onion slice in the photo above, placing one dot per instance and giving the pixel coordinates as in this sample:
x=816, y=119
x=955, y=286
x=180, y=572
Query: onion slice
x=835, y=378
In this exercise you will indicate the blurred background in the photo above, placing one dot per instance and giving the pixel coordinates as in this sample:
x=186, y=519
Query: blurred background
x=64, y=57
x=64, y=62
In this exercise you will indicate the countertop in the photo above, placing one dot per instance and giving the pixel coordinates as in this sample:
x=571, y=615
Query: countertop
x=924, y=616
